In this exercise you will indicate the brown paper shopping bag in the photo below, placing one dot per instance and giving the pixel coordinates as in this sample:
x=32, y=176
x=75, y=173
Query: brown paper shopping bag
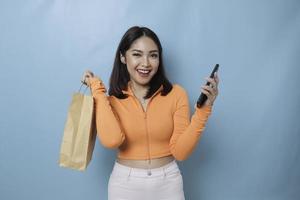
x=79, y=133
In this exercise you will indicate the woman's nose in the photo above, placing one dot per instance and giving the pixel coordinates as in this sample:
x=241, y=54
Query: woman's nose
x=145, y=61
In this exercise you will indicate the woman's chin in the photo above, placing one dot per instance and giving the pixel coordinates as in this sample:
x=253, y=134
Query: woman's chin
x=143, y=81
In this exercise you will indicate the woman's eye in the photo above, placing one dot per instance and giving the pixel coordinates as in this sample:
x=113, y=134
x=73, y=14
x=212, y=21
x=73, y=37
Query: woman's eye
x=154, y=55
x=136, y=54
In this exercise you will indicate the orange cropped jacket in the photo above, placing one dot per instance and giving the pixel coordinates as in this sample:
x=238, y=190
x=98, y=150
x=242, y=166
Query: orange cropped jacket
x=163, y=129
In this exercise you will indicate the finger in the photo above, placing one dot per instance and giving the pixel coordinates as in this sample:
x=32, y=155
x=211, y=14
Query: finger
x=83, y=79
x=211, y=81
x=207, y=90
x=87, y=75
x=83, y=82
x=212, y=91
x=210, y=96
x=90, y=72
x=216, y=77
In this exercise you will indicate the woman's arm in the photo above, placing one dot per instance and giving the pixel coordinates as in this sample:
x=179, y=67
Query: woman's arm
x=186, y=133
x=108, y=128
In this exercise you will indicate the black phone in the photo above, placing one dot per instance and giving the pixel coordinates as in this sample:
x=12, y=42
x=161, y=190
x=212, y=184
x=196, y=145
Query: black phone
x=202, y=98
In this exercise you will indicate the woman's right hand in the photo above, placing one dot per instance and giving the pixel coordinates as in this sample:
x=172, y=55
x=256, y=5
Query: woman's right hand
x=86, y=78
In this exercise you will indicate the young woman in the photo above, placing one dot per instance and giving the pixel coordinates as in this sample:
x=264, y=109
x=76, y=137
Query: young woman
x=148, y=119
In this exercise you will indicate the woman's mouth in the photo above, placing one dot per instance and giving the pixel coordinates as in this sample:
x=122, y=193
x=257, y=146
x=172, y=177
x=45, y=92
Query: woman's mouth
x=143, y=73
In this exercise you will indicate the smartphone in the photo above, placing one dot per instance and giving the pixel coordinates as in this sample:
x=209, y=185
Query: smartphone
x=202, y=98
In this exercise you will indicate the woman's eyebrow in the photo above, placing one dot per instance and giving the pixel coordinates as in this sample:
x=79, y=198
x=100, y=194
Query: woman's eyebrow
x=142, y=51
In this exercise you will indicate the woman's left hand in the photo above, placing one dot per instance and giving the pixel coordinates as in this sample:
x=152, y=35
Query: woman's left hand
x=211, y=91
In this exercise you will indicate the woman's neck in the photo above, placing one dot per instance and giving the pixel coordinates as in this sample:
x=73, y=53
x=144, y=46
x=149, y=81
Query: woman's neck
x=139, y=90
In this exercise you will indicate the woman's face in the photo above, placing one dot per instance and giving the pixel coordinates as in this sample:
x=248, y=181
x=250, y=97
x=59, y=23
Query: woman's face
x=142, y=60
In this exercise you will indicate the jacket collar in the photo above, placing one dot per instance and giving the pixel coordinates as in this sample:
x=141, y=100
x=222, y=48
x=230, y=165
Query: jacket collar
x=130, y=92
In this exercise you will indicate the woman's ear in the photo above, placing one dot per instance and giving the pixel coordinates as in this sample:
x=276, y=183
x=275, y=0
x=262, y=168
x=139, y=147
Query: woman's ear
x=122, y=58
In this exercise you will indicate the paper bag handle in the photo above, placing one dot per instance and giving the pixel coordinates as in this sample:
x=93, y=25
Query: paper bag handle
x=81, y=87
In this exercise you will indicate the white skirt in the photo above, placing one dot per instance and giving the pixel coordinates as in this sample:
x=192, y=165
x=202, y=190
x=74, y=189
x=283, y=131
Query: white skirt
x=163, y=183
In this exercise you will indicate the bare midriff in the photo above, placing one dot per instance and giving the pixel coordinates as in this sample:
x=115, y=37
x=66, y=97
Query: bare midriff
x=144, y=164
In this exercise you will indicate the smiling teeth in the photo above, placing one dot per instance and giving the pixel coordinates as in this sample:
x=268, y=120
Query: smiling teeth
x=143, y=71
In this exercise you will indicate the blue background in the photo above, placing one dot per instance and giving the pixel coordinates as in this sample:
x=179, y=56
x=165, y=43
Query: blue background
x=251, y=146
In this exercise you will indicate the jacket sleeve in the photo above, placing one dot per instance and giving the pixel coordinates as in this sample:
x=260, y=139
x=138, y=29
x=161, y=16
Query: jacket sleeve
x=109, y=130
x=186, y=133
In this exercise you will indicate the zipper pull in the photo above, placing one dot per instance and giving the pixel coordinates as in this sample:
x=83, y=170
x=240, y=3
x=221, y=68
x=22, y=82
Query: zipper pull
x=149, y=170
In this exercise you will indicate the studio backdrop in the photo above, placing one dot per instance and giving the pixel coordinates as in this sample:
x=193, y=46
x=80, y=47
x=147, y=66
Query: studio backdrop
x=251, y=145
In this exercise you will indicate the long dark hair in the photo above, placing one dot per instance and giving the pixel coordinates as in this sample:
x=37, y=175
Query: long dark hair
x=119, y=77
